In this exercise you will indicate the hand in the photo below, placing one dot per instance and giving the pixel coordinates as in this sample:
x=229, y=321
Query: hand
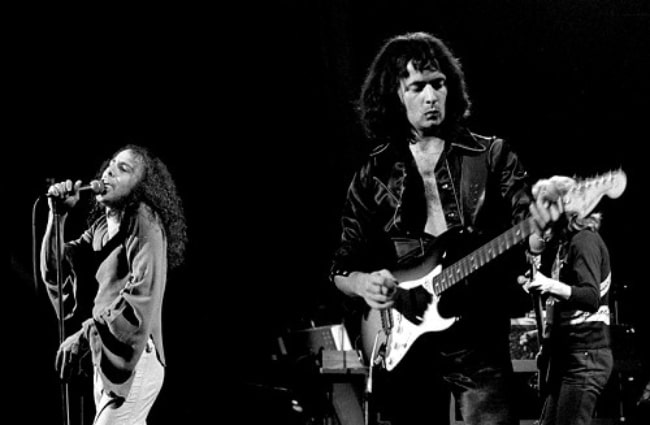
x=549, y=204
x=65, y=192
x=69, y=355
x=544, y=214
x=545, y=285
x=377, y=288
x=539, y=283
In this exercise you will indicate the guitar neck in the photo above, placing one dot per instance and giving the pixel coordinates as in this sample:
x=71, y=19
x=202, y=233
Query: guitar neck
x=537, y=301
x=478, y=258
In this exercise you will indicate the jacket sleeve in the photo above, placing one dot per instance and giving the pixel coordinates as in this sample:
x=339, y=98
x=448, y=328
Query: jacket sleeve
x=75, y=253
x=514, y=181
x=584, y=260
x=356, y=225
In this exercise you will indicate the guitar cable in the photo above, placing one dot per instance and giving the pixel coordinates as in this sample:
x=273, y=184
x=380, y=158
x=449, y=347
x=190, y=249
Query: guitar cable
x=376, y=359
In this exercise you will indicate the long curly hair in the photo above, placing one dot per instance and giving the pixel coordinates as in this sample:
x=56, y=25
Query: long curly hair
x=382, y=114
x=156, y=189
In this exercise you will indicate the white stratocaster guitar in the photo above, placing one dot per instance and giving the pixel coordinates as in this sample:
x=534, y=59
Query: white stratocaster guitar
x=390, y=328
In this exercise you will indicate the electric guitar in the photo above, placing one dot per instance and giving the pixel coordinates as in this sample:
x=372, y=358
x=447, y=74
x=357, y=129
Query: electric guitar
x=391, y=334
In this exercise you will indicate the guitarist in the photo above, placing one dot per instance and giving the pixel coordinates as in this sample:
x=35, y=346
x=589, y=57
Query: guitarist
x=427, y=176
x=577, y=341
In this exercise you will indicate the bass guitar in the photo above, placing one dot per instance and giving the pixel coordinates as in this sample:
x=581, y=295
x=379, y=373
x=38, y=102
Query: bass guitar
x=542, y=358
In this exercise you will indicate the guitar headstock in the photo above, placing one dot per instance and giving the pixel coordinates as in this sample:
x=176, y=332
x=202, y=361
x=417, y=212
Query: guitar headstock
x=584, y=195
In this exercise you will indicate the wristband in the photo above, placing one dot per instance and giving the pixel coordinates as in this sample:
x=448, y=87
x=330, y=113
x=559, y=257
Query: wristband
x=339, y=272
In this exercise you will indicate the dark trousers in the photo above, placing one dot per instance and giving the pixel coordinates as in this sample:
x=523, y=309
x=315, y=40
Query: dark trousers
x=577, y=378
x=418, y=390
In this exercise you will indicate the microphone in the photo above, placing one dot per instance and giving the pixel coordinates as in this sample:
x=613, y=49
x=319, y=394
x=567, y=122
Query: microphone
x=96, y=186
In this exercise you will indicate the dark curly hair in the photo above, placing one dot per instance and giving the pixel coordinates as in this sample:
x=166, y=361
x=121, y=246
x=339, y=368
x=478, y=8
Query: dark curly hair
x=156, y=189
x=382, y=114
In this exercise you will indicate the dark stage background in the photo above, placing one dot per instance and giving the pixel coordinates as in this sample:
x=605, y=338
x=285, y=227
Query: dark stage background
x=252, y=109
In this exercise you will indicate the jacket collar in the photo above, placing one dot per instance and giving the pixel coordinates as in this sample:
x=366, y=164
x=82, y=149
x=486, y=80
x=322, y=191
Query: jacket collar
x=461, y=138
x=466, y=140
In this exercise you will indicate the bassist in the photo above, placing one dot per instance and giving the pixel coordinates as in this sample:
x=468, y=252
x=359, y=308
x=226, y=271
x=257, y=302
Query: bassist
x=577, y=341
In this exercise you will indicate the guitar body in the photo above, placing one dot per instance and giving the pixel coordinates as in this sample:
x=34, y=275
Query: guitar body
x=416, y=318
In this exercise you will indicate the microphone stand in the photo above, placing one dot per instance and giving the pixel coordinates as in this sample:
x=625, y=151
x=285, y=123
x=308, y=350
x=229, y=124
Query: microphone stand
x=65, y=395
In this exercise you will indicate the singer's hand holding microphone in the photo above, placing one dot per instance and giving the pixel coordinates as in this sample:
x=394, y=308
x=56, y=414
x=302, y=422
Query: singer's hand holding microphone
x=68, y=193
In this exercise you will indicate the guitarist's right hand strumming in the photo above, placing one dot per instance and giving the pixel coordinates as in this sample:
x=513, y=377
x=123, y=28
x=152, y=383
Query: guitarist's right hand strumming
x=378, y=288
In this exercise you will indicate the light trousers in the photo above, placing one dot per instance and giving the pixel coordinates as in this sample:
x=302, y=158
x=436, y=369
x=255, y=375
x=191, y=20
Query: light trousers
x=146, y=384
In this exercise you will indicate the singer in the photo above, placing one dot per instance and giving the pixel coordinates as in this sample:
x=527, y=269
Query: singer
x=136, y=234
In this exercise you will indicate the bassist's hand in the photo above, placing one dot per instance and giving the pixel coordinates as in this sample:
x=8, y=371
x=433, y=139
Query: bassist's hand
x=545, y=285
x=377, y=288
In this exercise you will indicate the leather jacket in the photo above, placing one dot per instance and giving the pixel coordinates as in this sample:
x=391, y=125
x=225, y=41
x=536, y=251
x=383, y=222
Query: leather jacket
x=482, y=186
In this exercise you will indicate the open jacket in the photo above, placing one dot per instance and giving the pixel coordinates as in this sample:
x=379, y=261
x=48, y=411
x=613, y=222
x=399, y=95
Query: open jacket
x=482, y=186
x=127, y=275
